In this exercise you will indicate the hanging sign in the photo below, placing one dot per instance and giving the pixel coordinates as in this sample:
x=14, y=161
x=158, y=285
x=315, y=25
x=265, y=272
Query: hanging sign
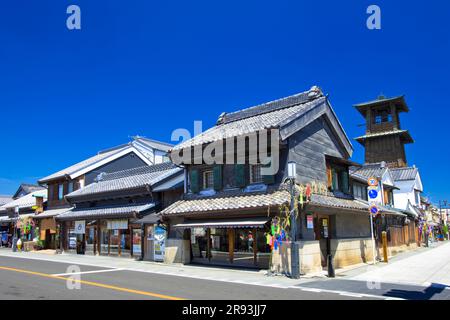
x=117, y=224
x=372, y=181
x=159, y=243
x=80, y=227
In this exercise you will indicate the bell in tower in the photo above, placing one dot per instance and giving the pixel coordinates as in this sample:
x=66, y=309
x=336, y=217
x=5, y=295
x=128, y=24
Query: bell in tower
x=384, y=139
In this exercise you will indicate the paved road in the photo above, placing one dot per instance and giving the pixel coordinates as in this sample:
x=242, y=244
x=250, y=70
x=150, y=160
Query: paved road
x=37, y=279
x=420, y=275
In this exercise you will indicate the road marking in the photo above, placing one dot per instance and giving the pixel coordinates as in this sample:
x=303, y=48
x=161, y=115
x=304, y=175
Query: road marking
x=86, y=272
x=345, y=293
x=94, y=284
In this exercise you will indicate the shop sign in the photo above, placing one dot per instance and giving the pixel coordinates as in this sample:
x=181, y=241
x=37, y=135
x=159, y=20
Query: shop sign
x=309, y=222
x=117, y=224
x=137, y=241
x=159, y=243
x=80, y=227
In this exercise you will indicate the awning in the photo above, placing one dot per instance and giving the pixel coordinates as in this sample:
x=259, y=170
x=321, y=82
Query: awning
x=258, y=222
x=110, y=212
x=149, y=219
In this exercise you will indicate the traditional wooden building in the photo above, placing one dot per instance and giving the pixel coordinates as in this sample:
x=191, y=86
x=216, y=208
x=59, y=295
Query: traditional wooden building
x=400, y=225
x=20, y=213
x=228, y=206
x=384, y=139
x=139, y=152
x=116, y=214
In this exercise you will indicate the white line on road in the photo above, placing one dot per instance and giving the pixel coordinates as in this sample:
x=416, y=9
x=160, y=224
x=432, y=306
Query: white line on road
x=86, y=272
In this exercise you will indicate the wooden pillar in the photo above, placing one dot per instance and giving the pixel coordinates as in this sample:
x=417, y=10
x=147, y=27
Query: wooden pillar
x=231, y=244
x=255, y=248
x=109, y=242
x=99, y=250
x=208, y=244
x=119, y=249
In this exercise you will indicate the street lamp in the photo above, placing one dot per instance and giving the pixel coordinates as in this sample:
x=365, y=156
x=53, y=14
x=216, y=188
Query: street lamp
x=295, y=268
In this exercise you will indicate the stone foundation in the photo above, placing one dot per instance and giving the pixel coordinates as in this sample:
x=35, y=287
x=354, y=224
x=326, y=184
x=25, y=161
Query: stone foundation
x=347, y=252
x=309, y=255
x=177, y=251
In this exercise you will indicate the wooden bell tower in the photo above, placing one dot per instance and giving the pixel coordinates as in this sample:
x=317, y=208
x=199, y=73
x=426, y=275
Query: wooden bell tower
x=384, y=139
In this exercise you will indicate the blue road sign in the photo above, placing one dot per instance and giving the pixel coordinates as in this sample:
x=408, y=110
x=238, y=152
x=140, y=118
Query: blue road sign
x=373, y=194
x=374, y=210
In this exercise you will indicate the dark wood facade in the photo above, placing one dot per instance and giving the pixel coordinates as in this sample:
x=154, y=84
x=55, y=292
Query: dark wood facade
x=384, y=139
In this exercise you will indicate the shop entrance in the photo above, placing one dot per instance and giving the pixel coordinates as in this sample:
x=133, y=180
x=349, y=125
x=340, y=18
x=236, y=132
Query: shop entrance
x=237, y=247
x=323, y=234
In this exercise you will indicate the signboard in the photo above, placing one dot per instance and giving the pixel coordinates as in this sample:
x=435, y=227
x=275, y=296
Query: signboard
x=159, y=243
x=117, y=224
x=375, y=195
x=309, y=222
x=372, y=182
x=137, y=242
x=80, y=227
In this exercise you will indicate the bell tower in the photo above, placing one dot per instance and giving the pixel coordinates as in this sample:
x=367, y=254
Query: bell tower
x=384, y=139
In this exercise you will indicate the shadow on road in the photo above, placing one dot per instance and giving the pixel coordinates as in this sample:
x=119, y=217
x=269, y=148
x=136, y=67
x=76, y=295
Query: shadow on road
x=425, y=294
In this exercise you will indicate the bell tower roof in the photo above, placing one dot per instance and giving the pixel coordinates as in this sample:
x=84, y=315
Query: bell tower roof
x=384, y=139
x=399, y=103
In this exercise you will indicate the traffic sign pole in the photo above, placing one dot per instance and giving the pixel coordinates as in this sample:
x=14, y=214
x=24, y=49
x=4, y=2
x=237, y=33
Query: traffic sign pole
x=373, y=238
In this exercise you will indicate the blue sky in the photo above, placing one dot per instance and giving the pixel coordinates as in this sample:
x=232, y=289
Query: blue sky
x=149, y=67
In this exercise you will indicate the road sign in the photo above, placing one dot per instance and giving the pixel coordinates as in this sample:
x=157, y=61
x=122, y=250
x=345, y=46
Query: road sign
x=372, y=181
x=373, y=210
x=373, y=193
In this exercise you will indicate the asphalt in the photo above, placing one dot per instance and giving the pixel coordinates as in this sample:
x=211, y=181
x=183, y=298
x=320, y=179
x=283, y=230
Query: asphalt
x=33, y=279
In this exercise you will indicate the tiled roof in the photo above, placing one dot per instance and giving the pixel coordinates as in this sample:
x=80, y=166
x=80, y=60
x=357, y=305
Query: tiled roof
x=266, y=116
x=223, y=203
x=144, y=146
x=124, y=211
x=154, y=144
x=27, y=188
x=26, y=201
x=406, y=173
x=51, y=213
x=5, y=199
x=81, y=165
x=128, y=179
x=368, y=170
x=336, y=202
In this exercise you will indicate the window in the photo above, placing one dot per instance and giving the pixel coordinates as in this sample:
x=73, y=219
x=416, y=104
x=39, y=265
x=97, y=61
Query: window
x=381, y=116
x=338, y=179
x=60, y=191
x=417, y=197
x=359, y=191
x=255, y=173
x=70, y=187
x=208, y=179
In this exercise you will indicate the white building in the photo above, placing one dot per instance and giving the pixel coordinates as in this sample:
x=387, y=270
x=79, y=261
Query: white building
x=409, y=184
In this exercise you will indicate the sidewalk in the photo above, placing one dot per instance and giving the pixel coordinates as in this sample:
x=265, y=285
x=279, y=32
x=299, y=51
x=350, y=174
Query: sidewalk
x=423, y=267
x=253, y=277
